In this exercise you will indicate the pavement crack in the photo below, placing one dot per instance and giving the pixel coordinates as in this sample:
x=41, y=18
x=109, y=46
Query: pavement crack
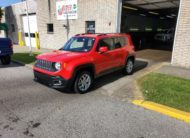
x=27, y=132
x=13, y=118
x=6, y=126
x=31, y=125
x=36, y=125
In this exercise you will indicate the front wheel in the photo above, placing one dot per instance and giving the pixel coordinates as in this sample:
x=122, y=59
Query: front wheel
x=129, y=67
x=6, y=60
x=83, y=82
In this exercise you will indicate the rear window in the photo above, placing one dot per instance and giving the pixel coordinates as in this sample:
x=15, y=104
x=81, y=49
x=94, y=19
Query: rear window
x=120, y=42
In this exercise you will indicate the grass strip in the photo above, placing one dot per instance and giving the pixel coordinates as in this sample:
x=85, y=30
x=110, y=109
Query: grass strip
x=25, y=57
x=167, y=90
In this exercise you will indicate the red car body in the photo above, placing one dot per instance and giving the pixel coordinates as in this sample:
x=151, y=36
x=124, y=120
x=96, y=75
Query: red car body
x=93, y=60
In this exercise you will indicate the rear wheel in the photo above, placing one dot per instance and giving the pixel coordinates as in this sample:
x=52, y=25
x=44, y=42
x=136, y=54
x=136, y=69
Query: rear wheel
x=83, y=82
x=129, y=67
x=6, y=60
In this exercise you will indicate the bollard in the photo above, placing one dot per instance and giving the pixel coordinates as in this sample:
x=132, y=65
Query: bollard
x=37, y=41
x=20, y=41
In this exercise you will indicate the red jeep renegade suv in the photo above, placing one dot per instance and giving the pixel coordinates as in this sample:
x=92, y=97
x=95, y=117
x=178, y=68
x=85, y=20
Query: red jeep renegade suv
x=84, y=58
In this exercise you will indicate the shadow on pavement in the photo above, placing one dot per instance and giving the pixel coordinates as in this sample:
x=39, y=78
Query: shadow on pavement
x=104, y=80
x=139, y=65
x=12, y=65
x=109, y=78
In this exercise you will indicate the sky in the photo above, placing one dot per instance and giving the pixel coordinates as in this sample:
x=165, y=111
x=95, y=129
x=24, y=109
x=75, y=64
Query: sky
x=4, y=3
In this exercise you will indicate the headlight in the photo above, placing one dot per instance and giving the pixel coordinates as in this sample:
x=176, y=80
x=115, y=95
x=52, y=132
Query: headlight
x=57, y=66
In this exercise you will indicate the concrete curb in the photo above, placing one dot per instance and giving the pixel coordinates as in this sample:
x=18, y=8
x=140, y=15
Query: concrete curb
x=181, y=115
x=23, y=64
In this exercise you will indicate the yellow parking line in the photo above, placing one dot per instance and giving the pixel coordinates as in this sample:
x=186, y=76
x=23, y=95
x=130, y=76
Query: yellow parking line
x=181, y=115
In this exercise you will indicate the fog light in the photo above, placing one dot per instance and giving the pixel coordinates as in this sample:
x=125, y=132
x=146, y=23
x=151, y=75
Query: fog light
x=58, y=83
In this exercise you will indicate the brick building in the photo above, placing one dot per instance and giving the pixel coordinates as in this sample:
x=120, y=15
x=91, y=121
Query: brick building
x=181, y=49
x=102, y=12
x=2, y=32
x=14, y=15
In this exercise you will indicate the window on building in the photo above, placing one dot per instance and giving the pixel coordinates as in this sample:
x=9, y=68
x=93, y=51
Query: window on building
x=50, y=28
x=90, y=27
x=12, y=27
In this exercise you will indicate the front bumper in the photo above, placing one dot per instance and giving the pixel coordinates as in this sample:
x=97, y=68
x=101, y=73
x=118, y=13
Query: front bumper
x=56, y=82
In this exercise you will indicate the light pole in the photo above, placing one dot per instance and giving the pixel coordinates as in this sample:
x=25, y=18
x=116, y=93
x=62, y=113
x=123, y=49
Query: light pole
x=30, y=45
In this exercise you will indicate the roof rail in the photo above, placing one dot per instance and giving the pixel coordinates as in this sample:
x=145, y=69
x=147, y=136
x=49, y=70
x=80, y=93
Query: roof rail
x=101, y=34
x=80, y=34
x=98, y=34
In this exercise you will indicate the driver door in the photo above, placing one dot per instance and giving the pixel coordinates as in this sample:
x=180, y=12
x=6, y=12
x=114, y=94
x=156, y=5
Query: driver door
x=105, y=61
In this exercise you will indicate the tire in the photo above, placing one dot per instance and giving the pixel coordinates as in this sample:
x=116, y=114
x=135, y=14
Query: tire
x=6, y=60
x=83, y=87
x=129, y=67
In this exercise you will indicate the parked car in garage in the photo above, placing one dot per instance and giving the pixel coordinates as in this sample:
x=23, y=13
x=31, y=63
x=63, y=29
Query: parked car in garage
x=84, y=58
x=165, y=36
x=6, y=50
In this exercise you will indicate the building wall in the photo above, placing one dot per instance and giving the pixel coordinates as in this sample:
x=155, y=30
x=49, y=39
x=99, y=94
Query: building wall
x=104, y=12
x=181, y=52
x=13, y=15
x=2, y=32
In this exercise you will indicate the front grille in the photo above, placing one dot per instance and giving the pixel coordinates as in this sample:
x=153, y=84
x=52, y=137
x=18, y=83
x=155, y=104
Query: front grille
x=46, y=65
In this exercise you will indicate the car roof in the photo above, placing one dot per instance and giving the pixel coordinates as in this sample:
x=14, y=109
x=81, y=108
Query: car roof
x=101, y=35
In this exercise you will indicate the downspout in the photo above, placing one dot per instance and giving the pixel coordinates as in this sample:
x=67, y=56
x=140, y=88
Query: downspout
x=118, y=18
x=49, y=10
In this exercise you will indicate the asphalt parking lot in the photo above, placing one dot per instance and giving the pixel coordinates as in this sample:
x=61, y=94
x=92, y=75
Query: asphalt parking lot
x=30, y=109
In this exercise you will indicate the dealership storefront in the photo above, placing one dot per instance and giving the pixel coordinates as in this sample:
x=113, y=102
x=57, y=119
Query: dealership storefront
x=59, y=20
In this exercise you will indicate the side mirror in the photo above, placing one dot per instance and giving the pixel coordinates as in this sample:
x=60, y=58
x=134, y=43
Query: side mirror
x=103, y=49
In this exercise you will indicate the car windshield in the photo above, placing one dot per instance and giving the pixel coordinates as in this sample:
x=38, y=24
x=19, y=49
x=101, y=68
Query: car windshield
x=79, y=44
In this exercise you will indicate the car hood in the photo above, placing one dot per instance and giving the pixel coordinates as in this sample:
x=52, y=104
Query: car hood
x=58, y=56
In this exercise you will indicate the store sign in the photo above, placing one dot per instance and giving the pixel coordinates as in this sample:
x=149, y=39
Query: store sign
x=66, y=9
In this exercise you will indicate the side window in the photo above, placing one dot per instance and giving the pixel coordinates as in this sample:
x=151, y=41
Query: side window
x=124, y=41
x=120, y=42
x=108, y=42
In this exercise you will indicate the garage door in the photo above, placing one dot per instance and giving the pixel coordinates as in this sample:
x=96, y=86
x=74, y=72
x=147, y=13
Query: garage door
x=151, y=23
x=33, y=29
